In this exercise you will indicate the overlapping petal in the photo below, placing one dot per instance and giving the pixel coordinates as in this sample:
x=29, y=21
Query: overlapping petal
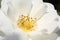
x=8, y=30
x=19, y=7
x=38, y=9
x=49, y=20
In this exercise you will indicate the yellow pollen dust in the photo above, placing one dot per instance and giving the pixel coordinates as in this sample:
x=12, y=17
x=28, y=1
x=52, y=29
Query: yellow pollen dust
x=26, y=23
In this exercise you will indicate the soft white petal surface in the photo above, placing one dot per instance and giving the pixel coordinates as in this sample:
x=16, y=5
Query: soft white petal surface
x=5, y=24
x=59, y=22
x=44, y=36
x=48, y=21
x=4, y=6
x=19, y=7
x=16, y=35
x=8, y=31
x=38, y=9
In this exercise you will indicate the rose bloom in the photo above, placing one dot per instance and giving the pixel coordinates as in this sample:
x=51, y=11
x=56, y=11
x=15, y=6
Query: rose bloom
x=28, y=20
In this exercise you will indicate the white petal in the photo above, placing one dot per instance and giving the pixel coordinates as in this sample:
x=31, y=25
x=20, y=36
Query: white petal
x=48, y=22
x=8, y=30
x=44, y=37
x=4, y=6
x=17, y=35
x=59, y=22
x=5, y=24
x=38, y=8
x=19, y=7
x=50, y=8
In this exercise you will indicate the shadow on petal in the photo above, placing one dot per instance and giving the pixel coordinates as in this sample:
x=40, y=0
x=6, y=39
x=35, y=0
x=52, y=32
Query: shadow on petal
x=12, y=37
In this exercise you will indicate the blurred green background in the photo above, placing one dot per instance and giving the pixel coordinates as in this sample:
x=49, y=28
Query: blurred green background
x=56, y=4
x=0, y=3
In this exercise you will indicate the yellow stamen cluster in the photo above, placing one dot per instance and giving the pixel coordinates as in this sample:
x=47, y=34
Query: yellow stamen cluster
x=26, y=23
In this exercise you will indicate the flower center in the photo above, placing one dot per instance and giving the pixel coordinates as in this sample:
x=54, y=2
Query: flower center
x=26, y=23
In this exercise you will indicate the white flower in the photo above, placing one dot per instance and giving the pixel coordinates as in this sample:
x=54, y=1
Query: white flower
x=29, y=19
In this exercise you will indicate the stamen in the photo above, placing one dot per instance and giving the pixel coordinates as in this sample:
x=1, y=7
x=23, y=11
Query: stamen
x=26, y=23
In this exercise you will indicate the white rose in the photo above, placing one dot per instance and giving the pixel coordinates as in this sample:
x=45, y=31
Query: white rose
x=29, y=19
